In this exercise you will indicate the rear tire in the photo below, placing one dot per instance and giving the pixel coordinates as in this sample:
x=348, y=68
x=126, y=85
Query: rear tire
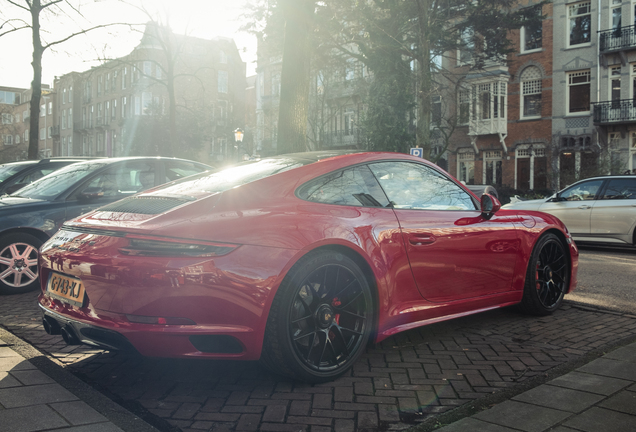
x=547, y=277
x=320, y=320
x=19, y=263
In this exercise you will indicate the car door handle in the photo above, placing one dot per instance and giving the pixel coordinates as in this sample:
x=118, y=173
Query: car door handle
x=421, y=239
x=585, y=207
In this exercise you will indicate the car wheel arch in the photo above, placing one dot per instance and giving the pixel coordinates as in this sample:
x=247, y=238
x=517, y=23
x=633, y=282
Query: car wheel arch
x=350, y=253
x=39, y=234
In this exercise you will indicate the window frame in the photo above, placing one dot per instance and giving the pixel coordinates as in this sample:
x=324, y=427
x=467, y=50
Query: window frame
x=571, y=7
x=522, y=36
x=569, y=86
x=527, y=85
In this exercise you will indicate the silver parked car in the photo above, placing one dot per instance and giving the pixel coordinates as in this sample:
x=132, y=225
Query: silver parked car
x=597, y=209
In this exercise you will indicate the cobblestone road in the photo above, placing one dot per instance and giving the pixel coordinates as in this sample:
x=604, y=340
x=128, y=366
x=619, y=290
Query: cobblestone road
x=402, y=381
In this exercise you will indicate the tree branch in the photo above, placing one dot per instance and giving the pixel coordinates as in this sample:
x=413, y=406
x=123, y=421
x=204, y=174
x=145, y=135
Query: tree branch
x=57, y=42
x=19, y=5
x=53, y=2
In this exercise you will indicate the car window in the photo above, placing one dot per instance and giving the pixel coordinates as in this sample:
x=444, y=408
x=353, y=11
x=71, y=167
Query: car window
x=59, y=181
x=121, y=180
x=351, y=187
x=7, y=171
x=234, y=176
x=33, y=175
x=176, y=170
x=415, y=186
x=621, y=189
x=583, y=191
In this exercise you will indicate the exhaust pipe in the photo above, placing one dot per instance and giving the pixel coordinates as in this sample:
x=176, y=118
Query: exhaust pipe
x=50, y=326
x=68, y=334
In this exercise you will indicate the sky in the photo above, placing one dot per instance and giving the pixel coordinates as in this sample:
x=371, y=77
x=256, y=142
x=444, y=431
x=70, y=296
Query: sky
x=200, y=18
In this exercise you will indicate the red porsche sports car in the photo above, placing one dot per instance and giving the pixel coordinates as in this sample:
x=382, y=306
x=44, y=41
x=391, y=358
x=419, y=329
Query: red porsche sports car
x=299, y=260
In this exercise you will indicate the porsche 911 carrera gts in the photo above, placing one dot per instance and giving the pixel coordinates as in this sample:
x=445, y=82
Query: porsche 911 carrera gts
x=298, y=260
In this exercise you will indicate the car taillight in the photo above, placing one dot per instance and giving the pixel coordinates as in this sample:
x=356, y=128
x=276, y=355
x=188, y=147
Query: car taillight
x=175, y=247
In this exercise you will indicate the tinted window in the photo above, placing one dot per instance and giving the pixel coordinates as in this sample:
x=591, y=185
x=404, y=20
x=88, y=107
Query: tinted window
x=232, y=177
x=176, y=170
x=7, y=171
x=34, y=175
x=621, y=189
x=415, y=186
x=122, y=179
x=59, y=181
x=351, y=187
x=584, y=191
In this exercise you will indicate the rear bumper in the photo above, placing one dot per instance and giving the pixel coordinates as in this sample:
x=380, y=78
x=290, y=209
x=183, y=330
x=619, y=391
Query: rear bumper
x=114, y=332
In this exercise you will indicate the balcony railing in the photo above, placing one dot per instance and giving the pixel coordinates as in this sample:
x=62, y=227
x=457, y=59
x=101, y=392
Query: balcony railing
x=617, y=39
x=350, y=139
x=615, y=112
x=487, y=126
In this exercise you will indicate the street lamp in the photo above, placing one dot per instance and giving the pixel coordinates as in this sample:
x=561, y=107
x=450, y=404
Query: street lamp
x=238, y=139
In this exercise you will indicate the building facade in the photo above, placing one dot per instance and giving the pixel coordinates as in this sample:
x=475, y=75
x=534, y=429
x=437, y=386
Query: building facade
x=189, y=89
x=172, y=95
x=14, y=128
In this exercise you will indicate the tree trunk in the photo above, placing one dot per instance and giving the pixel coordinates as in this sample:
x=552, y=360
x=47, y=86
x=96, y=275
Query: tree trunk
x=295, y=76
x=36, y=85
x=424, y=81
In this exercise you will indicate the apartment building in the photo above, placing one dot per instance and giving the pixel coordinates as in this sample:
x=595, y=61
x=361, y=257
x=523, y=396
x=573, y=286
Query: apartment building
x=123, y=107
x=614, y=109
x=14, y=128
x=336, y=101
x=503, y=111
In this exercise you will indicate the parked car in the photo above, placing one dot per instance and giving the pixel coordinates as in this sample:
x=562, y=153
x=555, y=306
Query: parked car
x=32, y=171
x=298, y=260
x=34, y=213
x=597, y=210
x=10, y=168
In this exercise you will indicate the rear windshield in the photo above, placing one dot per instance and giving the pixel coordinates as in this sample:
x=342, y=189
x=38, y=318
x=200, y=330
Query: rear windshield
x=228, y=178
x=7, y=171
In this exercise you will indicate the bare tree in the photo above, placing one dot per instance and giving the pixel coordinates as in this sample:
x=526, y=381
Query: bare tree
x=35, y=9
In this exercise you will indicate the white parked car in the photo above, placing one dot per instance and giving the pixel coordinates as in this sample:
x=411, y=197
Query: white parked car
x=597, y=209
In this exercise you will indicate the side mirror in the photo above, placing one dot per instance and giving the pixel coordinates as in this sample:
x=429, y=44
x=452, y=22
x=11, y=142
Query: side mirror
x=91, y=193
x=489, y=206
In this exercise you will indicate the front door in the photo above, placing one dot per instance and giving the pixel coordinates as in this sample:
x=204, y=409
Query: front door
x=574, y=207
x=454, y=252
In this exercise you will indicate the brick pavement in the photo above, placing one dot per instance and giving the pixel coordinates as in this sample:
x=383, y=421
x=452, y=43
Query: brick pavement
x=400, y=382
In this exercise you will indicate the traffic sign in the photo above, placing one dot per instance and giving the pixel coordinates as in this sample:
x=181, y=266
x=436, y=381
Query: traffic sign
x=416, y=151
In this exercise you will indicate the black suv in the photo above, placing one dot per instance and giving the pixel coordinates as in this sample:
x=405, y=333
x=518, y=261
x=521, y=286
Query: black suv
x=31, y=215
x=15, y=175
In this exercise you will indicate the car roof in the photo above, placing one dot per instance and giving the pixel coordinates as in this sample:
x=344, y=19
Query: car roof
x=609, y=176
x=109, y=161
x=27, y=162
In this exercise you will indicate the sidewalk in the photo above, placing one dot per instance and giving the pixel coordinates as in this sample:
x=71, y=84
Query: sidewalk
x=597, y=397
x=37, y=395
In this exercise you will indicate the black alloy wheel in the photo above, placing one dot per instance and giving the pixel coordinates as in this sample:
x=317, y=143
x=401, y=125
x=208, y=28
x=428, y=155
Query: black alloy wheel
x=322, y=321
x=548, y=276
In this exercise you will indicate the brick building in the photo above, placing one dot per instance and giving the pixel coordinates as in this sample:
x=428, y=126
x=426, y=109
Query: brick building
x=504, y=113
x=122, y=107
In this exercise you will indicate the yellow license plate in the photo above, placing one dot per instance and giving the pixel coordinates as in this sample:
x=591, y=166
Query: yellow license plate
x=66, y=288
